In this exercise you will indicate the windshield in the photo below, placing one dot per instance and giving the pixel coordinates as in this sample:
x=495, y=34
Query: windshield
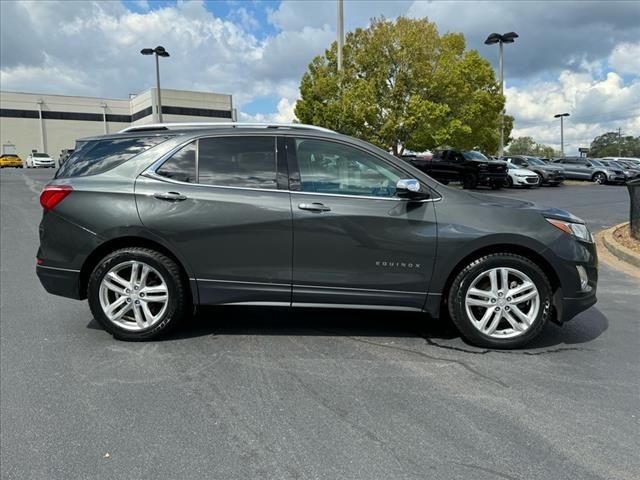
x=534, y=161
x=597, y=163
x=41, y=155
x=473, y=155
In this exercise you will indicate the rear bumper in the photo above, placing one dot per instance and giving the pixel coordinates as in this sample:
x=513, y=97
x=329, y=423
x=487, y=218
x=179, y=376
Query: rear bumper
x=60, y=281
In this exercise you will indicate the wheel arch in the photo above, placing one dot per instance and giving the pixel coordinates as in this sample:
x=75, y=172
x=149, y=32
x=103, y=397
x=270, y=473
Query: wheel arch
x=114, y=244
x=521, y=250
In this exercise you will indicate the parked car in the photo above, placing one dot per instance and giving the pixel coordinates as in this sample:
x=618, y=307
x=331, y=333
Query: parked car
x=582, y=168
x=521, y=177
x=629, y=173
x=471, y=168
x=153, y=220
x=10, y=160
x=64, y=155
x=36, y=160
x=548, y=174
x=635, y=161
x=634, y=168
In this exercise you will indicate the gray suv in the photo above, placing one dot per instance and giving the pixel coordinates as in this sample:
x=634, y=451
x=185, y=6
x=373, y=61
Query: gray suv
x=154, y=221
x=581, y=168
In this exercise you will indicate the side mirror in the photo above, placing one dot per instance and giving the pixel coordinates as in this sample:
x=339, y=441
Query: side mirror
x=410, y=188
x=525, y=165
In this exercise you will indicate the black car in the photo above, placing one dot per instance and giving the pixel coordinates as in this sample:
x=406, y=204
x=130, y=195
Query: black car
x=470, y=167
x=148, y=224
x=548, y=174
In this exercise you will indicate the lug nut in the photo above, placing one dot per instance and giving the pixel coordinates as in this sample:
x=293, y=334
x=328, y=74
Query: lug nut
x=135, y=288
x=500, y=294
x=508, y=299
x=128, y=300
x=127, y=291
x=497, y=309
x=507, y=308
x=137, y=302
x=493, y=300
x=141, y=294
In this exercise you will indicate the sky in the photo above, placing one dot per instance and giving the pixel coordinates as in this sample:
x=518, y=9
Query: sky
x=580, y=57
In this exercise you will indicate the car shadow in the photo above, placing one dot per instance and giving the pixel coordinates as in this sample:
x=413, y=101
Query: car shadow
x=270, y=321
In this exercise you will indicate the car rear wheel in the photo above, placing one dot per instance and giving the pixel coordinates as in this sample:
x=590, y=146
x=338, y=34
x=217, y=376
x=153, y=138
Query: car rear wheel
x=137, y=294
x=599, y=178
x=500, y=300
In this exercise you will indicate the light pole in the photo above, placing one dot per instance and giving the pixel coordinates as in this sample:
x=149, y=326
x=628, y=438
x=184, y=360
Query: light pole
x=104, y=116
x=42, y=142
x=501, y=39
x=340, y=32
x=561, y=117
x=159, y=52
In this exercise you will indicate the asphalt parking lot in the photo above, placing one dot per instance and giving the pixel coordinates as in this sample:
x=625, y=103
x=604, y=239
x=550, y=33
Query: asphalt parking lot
x=243, y=393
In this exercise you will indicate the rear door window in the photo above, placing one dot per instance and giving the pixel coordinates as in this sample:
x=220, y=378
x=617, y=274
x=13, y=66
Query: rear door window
x=181, y=166
x=247, y=162
x=98, y=156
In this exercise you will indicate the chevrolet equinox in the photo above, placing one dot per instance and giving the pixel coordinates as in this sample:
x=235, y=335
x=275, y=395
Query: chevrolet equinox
x=153, y=221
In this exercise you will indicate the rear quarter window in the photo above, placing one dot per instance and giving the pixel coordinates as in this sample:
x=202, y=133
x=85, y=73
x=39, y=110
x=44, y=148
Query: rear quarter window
x=98, y=156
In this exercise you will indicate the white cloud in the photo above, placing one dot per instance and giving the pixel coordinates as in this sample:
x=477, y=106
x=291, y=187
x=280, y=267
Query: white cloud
x=596, y=105
x=580, y=58
x=283, y=115
x=626, y=58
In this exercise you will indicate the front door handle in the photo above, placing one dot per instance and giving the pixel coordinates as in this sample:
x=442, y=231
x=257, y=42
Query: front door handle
x=170, y=196
x=314, y=207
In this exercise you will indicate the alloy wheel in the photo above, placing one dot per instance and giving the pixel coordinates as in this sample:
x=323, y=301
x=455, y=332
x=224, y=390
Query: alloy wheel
x=134, y=295
x=502, y=302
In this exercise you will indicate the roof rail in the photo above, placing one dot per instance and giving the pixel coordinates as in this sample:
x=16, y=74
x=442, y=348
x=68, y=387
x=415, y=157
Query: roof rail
x=192, y=125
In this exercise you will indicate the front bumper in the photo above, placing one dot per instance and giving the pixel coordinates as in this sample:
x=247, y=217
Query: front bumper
x=570, y=299
x=531, y=180
x=60, y=281
x=616, y=178
x=492, y=178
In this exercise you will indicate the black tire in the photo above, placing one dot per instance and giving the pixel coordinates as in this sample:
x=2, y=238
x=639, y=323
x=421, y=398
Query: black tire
x=599, y=178
x=509, y=182
x=178, y=304
x=540, y=180
x=465, y=277
x=470, y=181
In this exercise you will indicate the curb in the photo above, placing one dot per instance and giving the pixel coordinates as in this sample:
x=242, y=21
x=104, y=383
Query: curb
x=620, y=251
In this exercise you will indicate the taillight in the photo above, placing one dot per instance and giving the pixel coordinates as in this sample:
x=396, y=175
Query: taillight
x=52, y=195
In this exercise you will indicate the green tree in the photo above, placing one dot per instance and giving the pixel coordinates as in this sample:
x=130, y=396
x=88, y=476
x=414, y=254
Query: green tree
x=405, y=86
x=528, y=146
x=610, y=145
x=522, y=146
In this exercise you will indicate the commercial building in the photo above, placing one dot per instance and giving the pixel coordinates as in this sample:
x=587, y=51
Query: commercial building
x=50, y=123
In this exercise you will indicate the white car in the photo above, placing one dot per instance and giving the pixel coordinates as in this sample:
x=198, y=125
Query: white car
x=35, y=160
x=521, y=177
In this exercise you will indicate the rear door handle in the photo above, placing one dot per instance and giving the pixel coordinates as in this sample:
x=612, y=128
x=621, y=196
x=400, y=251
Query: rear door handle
x=170, y=196
x=314, y=207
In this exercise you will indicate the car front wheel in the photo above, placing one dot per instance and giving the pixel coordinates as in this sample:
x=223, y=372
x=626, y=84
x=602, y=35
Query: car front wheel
x=500, y=300
x=600, y=178
x=137, y=294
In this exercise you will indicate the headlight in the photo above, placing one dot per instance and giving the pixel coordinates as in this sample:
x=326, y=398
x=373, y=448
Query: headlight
x=522, y=175
x=578, y=230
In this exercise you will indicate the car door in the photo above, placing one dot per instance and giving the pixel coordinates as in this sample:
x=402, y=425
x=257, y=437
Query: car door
x=217, y=202
x=570, y=168
x=355, y=243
